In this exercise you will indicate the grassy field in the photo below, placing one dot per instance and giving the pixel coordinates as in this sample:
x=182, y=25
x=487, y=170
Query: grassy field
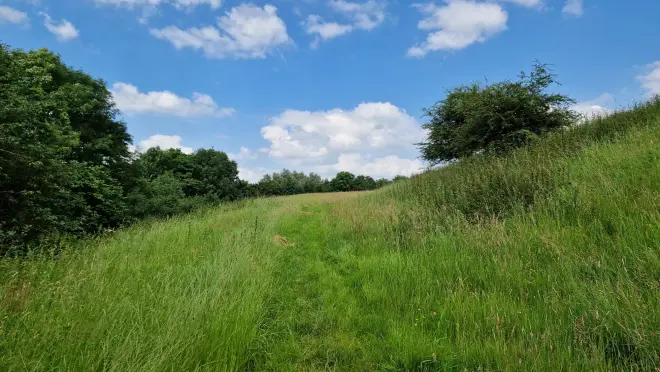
x=546, y=259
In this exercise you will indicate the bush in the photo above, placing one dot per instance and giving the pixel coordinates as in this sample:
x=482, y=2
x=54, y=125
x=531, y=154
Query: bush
x=495, y=118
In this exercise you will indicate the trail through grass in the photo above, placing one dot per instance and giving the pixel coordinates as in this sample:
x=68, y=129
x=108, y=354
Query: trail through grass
x=546, y=259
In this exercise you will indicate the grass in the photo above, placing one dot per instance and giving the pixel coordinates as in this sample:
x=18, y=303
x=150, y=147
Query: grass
x=546, y=259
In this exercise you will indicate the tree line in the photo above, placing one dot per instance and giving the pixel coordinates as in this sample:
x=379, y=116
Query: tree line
x=66, y=169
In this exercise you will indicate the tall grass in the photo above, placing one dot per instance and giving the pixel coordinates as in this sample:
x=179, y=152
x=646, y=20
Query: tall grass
x=179, y=294
x=544, y=259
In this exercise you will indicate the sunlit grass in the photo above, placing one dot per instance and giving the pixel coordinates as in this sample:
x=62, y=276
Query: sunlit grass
x=547, y=259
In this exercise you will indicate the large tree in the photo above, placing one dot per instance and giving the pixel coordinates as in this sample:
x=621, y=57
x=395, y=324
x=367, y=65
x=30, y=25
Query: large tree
x=63, y=153
x=494, y=118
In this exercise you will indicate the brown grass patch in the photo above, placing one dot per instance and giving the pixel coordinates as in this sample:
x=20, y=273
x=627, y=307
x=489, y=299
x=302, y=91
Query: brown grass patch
x=15, y=296
x=283, y=241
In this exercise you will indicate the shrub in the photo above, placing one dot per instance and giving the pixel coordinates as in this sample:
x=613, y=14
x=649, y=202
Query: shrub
x=495, y=118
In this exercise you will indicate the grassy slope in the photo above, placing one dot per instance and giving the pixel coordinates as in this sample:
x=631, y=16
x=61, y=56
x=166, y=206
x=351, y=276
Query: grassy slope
x=547, y=259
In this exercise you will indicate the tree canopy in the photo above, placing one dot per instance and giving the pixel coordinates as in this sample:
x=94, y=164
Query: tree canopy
x=63, y=152
x=494, y=118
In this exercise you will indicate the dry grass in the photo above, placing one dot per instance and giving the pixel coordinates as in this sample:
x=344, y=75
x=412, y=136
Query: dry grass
x=283, y=241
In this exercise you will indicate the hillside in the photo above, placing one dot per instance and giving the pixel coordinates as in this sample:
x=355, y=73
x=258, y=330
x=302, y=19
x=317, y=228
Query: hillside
x=546, y=259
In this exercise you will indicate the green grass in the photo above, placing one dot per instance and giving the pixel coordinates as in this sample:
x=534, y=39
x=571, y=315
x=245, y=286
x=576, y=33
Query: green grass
x=546, y=259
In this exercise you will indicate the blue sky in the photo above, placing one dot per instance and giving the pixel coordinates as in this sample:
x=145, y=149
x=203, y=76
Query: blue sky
x=330, y=85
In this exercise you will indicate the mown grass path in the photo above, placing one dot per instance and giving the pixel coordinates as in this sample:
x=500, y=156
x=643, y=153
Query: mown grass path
x=310, y=321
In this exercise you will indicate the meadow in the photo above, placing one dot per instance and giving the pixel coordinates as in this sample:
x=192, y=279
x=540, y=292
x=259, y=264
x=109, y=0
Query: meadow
x=547, y=258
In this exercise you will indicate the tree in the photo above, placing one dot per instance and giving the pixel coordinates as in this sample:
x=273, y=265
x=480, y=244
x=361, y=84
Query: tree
x=382, y=182
x=207, y=173
x=364, y=183
x=63, y=154
x=494, y=118
x=160, y=196
x=215, y=175
x=399, y=178
x=343, y=181
x=313, y=183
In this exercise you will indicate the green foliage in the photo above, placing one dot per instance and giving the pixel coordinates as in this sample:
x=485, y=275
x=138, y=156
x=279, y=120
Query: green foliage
x=289, y=183
x=399, y=178
x=62, y=152
x=216, y=175
x=292, y=183
x=343, y=181
x=364, y=183
x=171, y=182
x=495, y=118
x=162, y=196
x=543, y=259
x=66, y=170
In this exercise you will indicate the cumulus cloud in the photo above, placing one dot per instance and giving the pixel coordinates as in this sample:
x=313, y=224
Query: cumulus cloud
x=355, y=16
x=254, y=175
x=650, y=79
x=574, y=8
x=63, y=30
x=11, y=15
x=600, y=106
x=382, y=167
x=130, y=100
x=373, y=139
x=308, y=135
x=243, y=154
x=457, y=25
x=164, y=142
x=245, y=31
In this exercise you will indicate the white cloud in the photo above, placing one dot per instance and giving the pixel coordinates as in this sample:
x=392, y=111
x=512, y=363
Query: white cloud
x=164, y=142
x=597, y=107
x=374, y=126
x=254, y=175
x=63, y=31
x=374, y=138
x=180, y=4
x=11, y=15
x=214, y=4
x=383, y=167
x=325, y=30
x=526, y=3
x=244, y=154
x=574, y=8
x=365, y=16
x=130, y=100
x=650, y=79
x=459, y=24
x=358, y=16
x=245, y=31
